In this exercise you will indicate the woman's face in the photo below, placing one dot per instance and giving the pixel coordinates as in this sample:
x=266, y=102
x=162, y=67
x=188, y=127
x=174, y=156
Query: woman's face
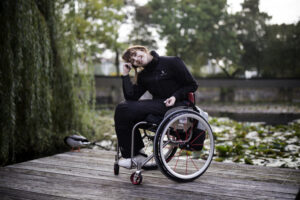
x=139, y=58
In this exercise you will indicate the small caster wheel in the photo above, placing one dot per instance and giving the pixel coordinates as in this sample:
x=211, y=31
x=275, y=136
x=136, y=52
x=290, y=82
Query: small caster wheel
x=116, y=169
x=136, y=178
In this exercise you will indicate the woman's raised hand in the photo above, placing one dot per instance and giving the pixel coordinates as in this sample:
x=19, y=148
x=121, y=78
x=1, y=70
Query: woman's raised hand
x=126, y=68
x=170, y=101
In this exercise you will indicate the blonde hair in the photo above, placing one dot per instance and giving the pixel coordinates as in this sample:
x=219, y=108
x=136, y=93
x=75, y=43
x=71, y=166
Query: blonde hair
x=129, y=52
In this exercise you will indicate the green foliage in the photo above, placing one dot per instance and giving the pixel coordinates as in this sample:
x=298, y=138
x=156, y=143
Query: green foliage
x=280, y=51
x=42, y=99
x=195, y=30
x=274, y=146
x=251, y=27
x=93, y=25
x=26, y=71
x=202, y=32
x=248, y=161
x=223, y=150
x=254, y=143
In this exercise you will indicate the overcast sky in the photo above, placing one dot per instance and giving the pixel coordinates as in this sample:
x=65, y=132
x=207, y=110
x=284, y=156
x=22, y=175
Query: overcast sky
x=282, y=11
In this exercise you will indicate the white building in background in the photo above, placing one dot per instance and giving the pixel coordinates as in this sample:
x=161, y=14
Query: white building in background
x=106, y=67
x=210, y=68
x=250, y=74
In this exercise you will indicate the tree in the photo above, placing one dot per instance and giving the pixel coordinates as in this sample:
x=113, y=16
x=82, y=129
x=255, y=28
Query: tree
x=38, y=106
x=225, y=47
x=192, y=29
x=93, y=25
x=280, y=55
x=141, y=33
x=251, y=27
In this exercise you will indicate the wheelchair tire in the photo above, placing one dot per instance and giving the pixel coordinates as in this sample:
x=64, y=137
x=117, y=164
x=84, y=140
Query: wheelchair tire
x=188, y=162
x=136, y=178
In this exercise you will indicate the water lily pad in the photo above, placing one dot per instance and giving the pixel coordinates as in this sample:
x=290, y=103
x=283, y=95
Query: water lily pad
x=248, y=161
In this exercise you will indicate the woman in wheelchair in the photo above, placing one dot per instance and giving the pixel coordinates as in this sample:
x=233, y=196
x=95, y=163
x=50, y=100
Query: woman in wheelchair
x=165, y=77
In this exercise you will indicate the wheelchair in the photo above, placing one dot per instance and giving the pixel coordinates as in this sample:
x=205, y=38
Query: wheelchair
x=181, y=144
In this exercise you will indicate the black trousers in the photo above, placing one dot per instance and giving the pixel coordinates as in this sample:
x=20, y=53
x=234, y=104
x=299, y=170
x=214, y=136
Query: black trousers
x=128, y=113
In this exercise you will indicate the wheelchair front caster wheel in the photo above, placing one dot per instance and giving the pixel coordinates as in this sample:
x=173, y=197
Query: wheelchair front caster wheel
x=136, y=178
x=116, y=169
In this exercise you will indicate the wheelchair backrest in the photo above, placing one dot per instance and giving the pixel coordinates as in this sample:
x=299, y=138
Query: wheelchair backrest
x=191, y=97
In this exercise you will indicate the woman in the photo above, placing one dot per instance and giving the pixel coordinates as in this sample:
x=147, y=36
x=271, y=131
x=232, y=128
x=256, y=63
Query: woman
x=166, y=78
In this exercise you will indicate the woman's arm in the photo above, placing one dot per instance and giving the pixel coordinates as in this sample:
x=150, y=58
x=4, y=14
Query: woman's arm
x=184, y=77
x=132, y=91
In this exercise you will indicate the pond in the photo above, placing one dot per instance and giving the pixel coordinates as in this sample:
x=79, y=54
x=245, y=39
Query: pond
x=257, y=143
x=240, y=142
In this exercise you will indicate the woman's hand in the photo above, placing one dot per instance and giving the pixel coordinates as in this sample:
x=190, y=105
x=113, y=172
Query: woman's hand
x=126, y=68
x=170, y=101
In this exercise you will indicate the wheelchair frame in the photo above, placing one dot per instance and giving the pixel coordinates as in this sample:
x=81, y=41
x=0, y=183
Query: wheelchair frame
x=136, y=177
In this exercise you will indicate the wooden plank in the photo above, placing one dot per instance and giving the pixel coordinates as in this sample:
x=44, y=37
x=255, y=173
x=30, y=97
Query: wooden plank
x=9, y=194
x=67, y=160
x=217, y=165
x=89, y=175
x=236, y=187
x=109, y=169
x=214, y=180
x=256, y=172
x=93, y=188
x=152, y=189
x=110, y=155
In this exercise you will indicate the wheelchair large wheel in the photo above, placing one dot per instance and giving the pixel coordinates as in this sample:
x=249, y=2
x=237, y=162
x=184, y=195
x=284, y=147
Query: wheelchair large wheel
x=190, y=135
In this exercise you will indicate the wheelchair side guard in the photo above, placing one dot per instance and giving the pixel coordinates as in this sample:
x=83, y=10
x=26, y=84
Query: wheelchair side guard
x=202, y=113
x=171, y=116
x=191, y=139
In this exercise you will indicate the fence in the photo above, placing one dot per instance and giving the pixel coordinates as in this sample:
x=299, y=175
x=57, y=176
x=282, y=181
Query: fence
x=109, y=90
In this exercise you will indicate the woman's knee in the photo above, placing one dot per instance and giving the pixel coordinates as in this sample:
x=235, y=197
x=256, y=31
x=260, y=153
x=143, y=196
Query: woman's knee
x=125, y=109
x=125, y=105
x=121, y=106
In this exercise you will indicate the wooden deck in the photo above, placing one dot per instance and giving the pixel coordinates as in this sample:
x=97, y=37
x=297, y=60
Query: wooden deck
x=89, y=175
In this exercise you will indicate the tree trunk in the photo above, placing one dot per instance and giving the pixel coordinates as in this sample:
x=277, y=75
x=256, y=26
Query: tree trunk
x=117, y=62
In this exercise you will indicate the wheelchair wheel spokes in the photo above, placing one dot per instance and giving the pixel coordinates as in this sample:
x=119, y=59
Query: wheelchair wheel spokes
x=185, y=163
x=192, y=143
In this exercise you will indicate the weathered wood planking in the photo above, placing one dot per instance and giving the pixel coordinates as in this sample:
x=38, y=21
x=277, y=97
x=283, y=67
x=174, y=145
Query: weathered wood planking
x=89, y=175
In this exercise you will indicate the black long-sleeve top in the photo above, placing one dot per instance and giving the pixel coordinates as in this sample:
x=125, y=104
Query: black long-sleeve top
x=163, y=77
